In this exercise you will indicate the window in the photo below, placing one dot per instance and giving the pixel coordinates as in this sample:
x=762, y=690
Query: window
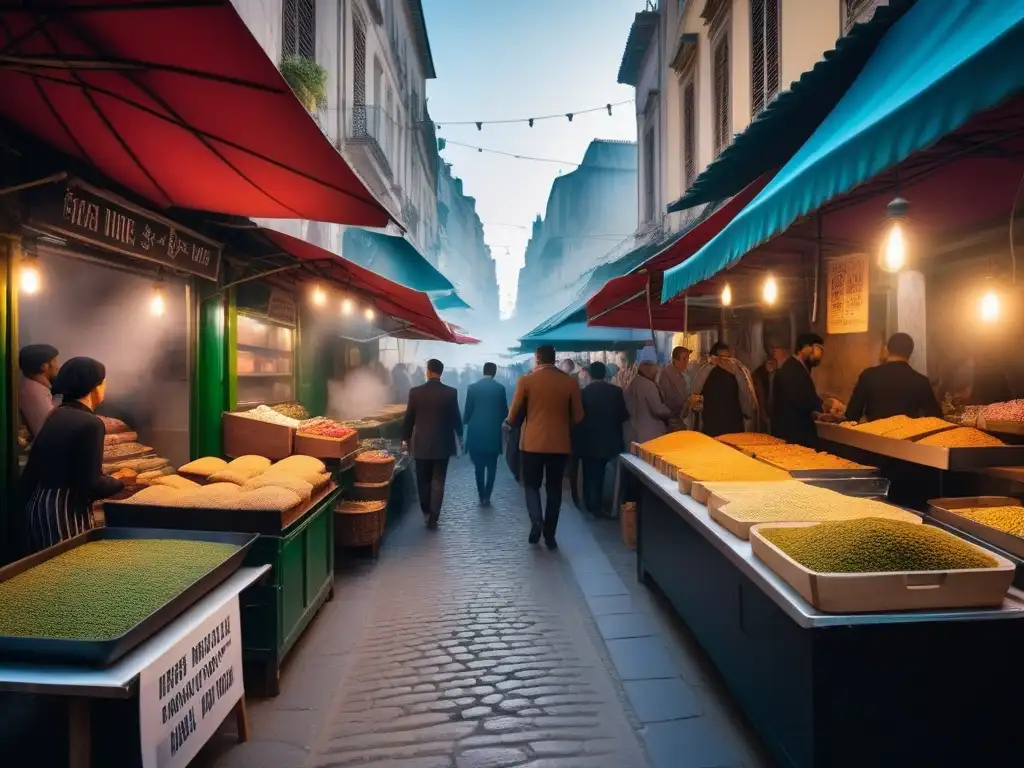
x=414, y=107
x=689, y=130
x=720, y=82
x=649, y=175
x=358, y=61
x=298, y=28
x=764, y=53
x=859, y=11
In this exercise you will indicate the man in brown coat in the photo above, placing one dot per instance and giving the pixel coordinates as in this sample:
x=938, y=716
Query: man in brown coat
x=547, y=403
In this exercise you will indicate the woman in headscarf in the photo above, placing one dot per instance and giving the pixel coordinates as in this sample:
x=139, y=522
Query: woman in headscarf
x=64, y=475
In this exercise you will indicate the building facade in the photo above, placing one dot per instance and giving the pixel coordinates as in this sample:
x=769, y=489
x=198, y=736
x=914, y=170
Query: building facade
x=590, y=215
x=703, y=69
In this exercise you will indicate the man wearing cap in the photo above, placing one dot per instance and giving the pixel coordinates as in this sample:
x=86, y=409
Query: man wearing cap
x=38, y=364
x=648, y=414
x=675, y=390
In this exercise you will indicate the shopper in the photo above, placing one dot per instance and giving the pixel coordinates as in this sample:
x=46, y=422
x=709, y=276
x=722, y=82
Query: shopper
x=794, y=397
x=400, y=384
x=64, y=475
x=485, y=413
x=893, y=388
x=433, y=429
x=547, y=404
x=38, y=364
x=675, y=390
x=598, y=437
x=648, y=414
x=726, y=391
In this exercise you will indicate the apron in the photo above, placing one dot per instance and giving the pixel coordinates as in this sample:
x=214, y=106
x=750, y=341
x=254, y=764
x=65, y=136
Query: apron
x=56, y=514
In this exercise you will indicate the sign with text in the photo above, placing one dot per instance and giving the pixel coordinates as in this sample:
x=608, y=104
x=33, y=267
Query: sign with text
x=186, y=694
x=282, y=308
x=847, y=287
x=84, y=213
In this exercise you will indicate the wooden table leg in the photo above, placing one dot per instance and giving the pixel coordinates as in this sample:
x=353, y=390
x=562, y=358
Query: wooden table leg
x=242, y=721
x=79, y=734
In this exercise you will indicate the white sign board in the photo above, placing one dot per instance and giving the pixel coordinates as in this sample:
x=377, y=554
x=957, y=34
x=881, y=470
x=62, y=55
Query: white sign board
x=847, y=294
x=186, y=694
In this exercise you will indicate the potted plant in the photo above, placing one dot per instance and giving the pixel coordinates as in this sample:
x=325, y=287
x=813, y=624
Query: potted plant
x=307, y=79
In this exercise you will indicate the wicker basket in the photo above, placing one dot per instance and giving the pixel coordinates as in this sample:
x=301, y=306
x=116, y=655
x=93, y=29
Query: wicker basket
x=370, y=491
x=359, y=523
x=371, y=467
x=627, y=524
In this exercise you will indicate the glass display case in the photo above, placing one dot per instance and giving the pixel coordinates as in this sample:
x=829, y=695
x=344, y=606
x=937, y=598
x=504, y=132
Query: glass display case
x=266, y=361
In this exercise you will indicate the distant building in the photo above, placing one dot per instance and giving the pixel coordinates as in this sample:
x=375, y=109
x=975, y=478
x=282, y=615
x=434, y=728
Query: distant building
x=463, y=256
x=589, y=213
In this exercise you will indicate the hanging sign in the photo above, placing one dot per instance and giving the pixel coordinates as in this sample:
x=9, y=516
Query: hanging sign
x=185, y=695
x=84, y=213
x=282, y=308
x=847, y=286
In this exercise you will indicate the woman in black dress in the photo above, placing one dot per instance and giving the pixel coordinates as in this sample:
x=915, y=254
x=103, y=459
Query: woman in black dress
x=64, y=475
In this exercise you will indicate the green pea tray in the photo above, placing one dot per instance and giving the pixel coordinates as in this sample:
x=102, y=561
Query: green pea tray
x=101, y=653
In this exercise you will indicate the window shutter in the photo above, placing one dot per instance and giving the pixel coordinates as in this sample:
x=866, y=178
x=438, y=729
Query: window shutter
x=757, y=55
x=689, y=132
x=720, y=75
x=772, y=47
x=859, y=11
x=649, y=174
x=298, y=28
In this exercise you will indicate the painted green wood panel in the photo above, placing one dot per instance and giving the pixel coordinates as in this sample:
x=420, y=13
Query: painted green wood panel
x=212, y=376
x=9, y=251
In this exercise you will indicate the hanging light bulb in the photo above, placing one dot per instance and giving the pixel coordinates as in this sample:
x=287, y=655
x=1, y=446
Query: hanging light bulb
x=346, y=306
x=28, y=277
x=726, y=296
x=369, y=314
x=319, y=297
x=770, y=291
x=989, y=306
x=894, y=242
x=157, y=305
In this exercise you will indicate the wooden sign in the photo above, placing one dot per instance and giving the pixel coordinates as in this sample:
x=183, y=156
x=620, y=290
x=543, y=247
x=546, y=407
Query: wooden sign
x=847, y=294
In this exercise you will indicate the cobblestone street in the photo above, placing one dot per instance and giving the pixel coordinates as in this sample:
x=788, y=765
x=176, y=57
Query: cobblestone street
x=468, y=647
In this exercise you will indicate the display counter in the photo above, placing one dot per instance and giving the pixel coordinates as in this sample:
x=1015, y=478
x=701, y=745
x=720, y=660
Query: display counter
x=887, y=689
x=126, y=681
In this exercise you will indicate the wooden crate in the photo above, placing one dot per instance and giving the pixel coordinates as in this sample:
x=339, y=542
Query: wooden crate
x=894, y=591
x=244, y=436
x=325, y=447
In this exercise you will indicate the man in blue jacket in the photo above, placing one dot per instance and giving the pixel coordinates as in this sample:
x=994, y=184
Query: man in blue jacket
x=486, y=411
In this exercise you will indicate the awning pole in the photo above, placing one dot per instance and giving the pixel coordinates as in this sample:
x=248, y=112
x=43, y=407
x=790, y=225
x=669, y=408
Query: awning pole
x=53, y=178
x=650, y=314
x=817, y=272
x=686, y=313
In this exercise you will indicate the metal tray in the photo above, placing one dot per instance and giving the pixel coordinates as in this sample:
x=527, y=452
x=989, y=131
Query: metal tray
x=227, y=520
x=874, y=487
x=944, y=510
x=101, y=653
x=822, y=474
x=927, y=455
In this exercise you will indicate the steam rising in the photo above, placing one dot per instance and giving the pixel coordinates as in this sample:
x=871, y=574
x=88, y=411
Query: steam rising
x=361, y=392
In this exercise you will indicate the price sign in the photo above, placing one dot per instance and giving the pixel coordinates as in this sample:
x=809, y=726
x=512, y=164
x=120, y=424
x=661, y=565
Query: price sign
x=847, y=294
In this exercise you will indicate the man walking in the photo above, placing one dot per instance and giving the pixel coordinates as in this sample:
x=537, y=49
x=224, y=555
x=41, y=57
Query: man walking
x=432, y=426
x=675, y=390
x=547, y=403
x=599, y=435
x=486, y=411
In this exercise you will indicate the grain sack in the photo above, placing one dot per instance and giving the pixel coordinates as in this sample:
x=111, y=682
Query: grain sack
x=255, y=464
x=147, y=478
x=155, y=494
x=268, y=499
x=236, y=476
x=112, y=425
x=214, y=496
x=120, y=437
x=281, y=480
x=175, y=481
x=305, y=464
x=203, y=467
x=316, y=479
x=139, y=465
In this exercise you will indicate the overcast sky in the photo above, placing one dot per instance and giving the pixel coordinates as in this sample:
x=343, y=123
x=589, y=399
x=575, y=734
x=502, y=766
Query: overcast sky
x=503, y=60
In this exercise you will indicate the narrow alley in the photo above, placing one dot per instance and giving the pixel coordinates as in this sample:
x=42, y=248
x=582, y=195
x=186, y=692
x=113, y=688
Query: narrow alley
x=467, y=647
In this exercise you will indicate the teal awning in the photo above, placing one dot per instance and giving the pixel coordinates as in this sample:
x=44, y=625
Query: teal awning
x=574, y=335
x=393, y=257
x=787, y=122
x=450, y=300
x=942, y=63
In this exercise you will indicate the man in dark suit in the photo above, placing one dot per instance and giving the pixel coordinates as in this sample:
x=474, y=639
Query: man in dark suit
x=893, y=388
x=486, y=410
x=599, y=435
x=432, y=427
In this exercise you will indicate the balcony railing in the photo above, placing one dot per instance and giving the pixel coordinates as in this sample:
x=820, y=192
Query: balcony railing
x=369, y=124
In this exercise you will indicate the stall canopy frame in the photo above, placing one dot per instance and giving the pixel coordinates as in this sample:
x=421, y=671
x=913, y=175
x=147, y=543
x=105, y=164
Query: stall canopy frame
x=207, y=124
x=940, y=65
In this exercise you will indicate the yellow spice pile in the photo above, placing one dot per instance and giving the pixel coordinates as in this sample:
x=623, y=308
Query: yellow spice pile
x=703, y=458
x=1006, y=519
x=961, y=437
x=802, y=503
x=797, y=457
x=744, y=439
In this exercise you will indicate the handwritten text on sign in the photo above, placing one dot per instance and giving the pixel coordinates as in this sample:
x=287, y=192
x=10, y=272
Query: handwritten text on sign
x=186, y=694
x=847, y=287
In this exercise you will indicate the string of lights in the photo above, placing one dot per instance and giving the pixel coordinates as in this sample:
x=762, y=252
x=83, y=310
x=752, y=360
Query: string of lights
x=449, y=143
x=531, y=120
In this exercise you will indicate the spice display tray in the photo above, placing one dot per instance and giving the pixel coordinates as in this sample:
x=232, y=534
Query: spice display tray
x=927, y=455
x=945, y=510
x=891, y=591
x=824, y=474
x=718, y=510
x=267, y=523
x=244, y=436
x=325, y=447
x=101, y=653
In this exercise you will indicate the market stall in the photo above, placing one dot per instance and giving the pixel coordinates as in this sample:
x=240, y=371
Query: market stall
x=825, y=658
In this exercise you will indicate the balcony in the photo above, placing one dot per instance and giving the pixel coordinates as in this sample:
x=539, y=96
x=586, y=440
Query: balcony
x=373, y=134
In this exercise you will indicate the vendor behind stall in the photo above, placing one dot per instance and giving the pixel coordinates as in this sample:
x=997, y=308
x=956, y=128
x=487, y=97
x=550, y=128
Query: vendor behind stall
x=64, y=475
x=795, y=400
x=893, y=388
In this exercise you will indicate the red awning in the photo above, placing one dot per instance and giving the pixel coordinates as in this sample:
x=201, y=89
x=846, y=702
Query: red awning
x=622, y=302
x=464, y=338
x=177, y=102
x=397, y=301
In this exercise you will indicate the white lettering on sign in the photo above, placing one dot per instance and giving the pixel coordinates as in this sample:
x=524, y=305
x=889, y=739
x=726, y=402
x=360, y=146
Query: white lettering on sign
x=187, y=693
